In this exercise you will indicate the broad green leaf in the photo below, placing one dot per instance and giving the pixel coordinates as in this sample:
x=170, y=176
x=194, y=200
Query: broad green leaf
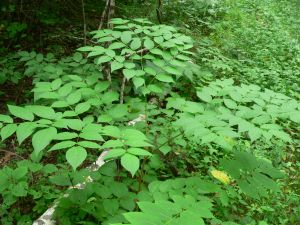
x=65, y=136
x=295, y=116
x=267, y=182
x=138, y=151
x=130, y=162
x=24, y=130
x=155, y=88
x=248, y=189
x=39, y=57
x=138, y=82
x=271, y=126
x=156, y=51
x=193, y=107
x=110, y=97
x=134, y=138
x=145, y=91
x=164, y=78
x=96, y=52
x=49, y=168
x=8, y=130
x=129, y=65
x=21, y=112
x=178, y=63
x=244, y=125
x=118, y=111
x=159, y=39
x=20, y=172
x=191, y=215
x=110, y=52
x=106, y=39
x=82, y=107
x=116, y=65
x=104, y=118
x=42, y=111
x=110, y=206
x=74, y=98
x=75, y=124
x=138, y=218
x=77, y=57
x=61, y=179
x=104, y=59
x=204, y=96
x=75, y=77
x=86, y=49
x=208, y=138
x=223, y=142
x=150, y=70
x=68, y=113
x=112, y=131
x=91, y=135
x=120, y=190
x=88, y=144
x=168, y=44
x=230, y=103
x=126, y=37
x=263, y=119
x=135, y=44
x=281, y=135
x=116, y=45
x=149, y=44
x=56, y=84
x=59, y=104
x=185, y=38
x=89, y=119
x=44, y=122
x=101, y=86
x=254, y=133
x=113, y=144
x=114, y=153
x=236, y=96
x=132, y=134
x=163, y=209
x=118, y=21
x=20, y=189
x=120, y=59
x=62, y=145
x=128, y=73
x=42, y=138
x=172, y=70
x=65, y=90
x=6, y=119
x=75, y=156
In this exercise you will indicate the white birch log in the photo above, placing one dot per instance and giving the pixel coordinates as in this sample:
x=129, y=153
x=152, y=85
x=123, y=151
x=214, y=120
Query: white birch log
x=46, y=218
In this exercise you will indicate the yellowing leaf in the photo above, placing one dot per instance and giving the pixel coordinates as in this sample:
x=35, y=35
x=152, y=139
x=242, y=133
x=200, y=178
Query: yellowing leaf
x=221, y=176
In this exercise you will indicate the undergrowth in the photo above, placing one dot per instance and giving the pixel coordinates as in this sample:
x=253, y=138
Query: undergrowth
x=201, y=130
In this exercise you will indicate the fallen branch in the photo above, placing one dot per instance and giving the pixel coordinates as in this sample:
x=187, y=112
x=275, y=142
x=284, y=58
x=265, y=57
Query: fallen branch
x=46, y=218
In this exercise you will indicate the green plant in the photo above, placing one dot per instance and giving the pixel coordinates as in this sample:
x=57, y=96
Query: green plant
x=231, y=112
x=200, y=150
x=65, y=99
x=253, y=176
x=239, y=45
x=151, y=56
x=22, y=185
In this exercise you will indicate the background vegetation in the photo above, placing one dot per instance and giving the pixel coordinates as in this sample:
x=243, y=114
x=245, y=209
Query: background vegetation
x=193, y=105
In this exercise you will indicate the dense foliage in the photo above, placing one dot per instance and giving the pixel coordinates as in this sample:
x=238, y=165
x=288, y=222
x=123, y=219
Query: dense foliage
x=197, y=121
